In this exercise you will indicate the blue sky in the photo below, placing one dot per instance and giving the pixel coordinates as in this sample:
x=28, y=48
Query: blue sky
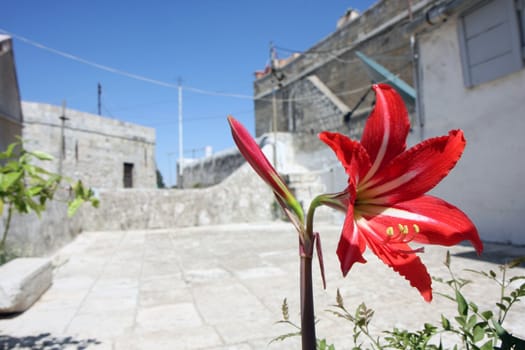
x=211, y=45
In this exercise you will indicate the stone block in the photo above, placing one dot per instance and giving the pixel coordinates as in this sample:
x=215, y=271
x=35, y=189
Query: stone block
x=22, y=282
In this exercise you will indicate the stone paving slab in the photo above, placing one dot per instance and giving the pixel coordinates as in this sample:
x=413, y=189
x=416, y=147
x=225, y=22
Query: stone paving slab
x=221, y=288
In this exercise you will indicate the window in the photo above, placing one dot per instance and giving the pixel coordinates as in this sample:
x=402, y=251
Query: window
x=490, y=43
x=128, y=175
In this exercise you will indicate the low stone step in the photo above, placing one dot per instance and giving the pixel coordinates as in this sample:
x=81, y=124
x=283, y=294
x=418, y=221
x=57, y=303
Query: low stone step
x=22, y=282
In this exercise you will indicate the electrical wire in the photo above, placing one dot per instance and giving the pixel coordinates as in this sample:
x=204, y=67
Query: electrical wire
x=174, y=86
x=119, y=71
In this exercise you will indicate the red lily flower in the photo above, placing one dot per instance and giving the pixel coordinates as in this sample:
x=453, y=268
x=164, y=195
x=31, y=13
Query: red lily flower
x=385, y=199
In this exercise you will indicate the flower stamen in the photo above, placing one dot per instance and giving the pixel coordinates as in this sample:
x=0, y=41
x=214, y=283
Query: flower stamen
x=403, y=234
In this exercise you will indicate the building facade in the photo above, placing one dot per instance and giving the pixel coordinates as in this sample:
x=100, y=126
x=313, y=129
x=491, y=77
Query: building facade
x=327, y=86
x=102, y=152
x=10, y=111
x=472, y=77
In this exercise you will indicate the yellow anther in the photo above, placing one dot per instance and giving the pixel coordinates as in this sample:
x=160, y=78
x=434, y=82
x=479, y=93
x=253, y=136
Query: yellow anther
x=416, y=228
x=390, y=231
x=403, y=229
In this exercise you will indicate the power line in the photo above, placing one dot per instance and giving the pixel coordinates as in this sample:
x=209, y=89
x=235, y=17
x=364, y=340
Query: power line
x=167, y=84
x=119, y=71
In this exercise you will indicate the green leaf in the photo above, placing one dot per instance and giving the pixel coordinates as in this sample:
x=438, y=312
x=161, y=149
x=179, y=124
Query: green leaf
x=461, y=320
x=73, y=206
x=9, y=179
x=445, y=322
x=501, y=306
x=487, y=315
x=478, y=333
x=462, y=303
x=487, y=346
x=471, y=322
x=473, y=307
x=1, y=206
x=499, y=329
x=33, y=191
x=516, y=278
x=516, y=262
x=8, y=153
x=285, y=336
x=41, y=155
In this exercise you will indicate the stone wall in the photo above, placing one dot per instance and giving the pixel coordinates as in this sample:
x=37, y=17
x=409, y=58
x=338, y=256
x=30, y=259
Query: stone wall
x=378, y=33
x=209, y=171
x=30, y=235
x=89, y=147
x=242, y=197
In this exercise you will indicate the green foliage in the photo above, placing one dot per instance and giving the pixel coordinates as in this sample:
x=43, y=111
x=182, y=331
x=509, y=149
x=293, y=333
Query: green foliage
x=321, y=343
x=475, y=329
x=286, y=320
x=418, y=340
x=26, y=187
x=81, y=195
x=160, y=179
x=360, y=318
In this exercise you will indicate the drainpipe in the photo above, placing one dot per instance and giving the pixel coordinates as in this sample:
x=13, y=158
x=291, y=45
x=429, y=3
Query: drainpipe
x=420, y=111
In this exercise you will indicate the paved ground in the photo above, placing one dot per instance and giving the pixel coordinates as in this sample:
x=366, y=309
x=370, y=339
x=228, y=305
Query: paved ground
x=220, y=288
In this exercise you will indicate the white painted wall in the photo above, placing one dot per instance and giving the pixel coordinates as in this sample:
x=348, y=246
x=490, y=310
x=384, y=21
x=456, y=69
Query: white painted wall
x=489, y=181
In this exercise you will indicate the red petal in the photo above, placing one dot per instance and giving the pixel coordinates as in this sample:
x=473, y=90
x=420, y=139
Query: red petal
x=386, y=130
x=441, y=222
x=426, y=219
x=407, y=265
x=350, y=153
x=351, y=245
x=416, y=171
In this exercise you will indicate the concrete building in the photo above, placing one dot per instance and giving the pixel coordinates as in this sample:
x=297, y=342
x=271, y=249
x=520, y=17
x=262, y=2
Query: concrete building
x=106, y=154
x=472, y=76
x=102, y=152
x=326, y=87
x=465, y=59
x=10, y=111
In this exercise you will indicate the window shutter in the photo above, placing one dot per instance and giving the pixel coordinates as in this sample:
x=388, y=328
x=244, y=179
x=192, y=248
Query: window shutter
x=489, y=41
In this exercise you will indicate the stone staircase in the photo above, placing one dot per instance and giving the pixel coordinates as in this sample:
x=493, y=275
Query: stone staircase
x=307, y=185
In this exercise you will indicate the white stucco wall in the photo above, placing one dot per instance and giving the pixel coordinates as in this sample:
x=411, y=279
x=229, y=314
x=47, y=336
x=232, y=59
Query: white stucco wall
x=489, y=181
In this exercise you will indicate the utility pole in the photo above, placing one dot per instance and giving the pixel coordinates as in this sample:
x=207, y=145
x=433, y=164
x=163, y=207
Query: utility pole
x=274, y=105
x=99, y=94
x=62, y=156
x=181, y=151
x=277, y=78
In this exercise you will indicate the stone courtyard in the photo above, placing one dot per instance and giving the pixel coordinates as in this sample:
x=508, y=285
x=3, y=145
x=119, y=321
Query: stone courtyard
x=221, y=287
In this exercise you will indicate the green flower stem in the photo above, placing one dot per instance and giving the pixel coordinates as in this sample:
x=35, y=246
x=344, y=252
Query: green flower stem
x=308, y=338
x=317, y=201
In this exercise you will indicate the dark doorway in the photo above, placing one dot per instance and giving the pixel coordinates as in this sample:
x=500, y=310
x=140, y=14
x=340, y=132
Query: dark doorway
x=128, y=175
